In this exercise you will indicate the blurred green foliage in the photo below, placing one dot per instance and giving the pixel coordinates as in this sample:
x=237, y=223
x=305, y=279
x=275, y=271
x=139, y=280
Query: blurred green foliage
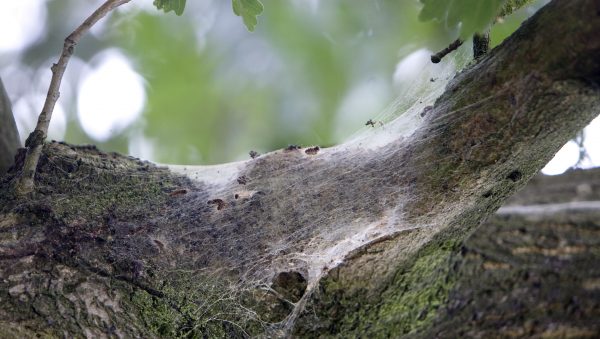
x=216, y=91
x=469, y=16
x=214, y=99
x=474, y=15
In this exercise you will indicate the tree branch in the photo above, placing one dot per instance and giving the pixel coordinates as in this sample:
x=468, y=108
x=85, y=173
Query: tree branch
x=354, y=240
x=35, y=141
x=497, y=124
x=437, y=57
x=9, y=135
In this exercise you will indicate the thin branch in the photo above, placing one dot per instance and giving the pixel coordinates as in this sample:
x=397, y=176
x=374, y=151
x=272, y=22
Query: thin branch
x=35, y=141
x=437, y=57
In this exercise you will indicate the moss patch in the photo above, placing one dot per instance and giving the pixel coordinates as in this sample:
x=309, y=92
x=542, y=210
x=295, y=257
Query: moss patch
x=197, y=307
x=407, y=303
x=413, y=300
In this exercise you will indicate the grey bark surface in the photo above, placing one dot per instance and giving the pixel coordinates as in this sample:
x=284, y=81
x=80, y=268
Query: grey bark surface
x=9, y=135
x=113, y=246
x=531, y=270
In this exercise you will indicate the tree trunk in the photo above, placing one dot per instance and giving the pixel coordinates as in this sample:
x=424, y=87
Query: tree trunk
x=355, y=240
x=9, y=136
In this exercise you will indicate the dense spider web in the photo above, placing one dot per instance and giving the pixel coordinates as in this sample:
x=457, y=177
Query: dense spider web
x=303, y=234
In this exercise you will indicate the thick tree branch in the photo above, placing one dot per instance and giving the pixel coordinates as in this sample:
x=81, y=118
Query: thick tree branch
x=355, y=240
x=35, y=141
x=498, y=121
x=496, y=125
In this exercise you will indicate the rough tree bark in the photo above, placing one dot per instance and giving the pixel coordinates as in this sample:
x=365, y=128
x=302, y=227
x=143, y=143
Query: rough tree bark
x=530, y=270
x=347, y=241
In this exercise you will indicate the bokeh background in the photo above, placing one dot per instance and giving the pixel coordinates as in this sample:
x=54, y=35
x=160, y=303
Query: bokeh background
x=201, y=89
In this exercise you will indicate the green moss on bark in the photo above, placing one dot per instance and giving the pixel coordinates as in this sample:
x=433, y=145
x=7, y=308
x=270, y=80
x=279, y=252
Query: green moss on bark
x=412, y=302
x=406, y=303
x=197, y=307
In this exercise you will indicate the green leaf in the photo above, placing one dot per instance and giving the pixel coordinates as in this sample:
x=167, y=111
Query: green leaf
x=248, y=10
x=475, y=16
x=176, y=6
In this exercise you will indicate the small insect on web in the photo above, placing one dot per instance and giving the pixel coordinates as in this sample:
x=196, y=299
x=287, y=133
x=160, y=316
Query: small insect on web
x=372, y=123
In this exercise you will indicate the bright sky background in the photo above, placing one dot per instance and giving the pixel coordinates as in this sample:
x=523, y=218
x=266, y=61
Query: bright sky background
x=111, y=95
x=122, y=99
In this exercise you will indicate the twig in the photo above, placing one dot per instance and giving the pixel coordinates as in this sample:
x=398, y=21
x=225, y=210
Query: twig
x=437, y=57
x=35, y=141
x=481, y=45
